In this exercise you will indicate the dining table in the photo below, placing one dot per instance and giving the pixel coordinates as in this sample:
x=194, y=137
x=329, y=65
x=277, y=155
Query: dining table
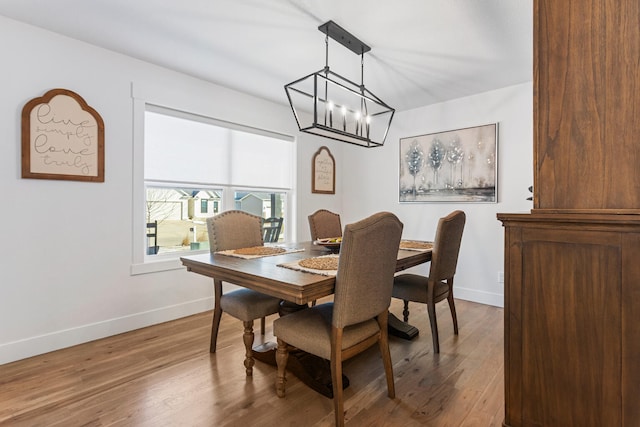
x=277, y=275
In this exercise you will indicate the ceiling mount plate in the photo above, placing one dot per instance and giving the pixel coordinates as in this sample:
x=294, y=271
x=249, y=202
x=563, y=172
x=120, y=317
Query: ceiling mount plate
x=344, y=37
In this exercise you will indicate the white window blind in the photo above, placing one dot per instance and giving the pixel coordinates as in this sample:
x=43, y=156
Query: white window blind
x=180, y=149
x=260, y=159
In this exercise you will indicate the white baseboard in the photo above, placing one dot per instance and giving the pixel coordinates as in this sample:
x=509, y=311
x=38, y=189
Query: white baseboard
x=17, y=350
x=488, y=298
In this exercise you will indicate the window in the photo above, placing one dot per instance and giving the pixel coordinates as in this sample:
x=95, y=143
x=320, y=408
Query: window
x=180, y=215
x=195, y=167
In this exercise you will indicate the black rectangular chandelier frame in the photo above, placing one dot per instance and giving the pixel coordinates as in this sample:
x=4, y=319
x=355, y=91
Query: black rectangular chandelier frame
x=351, y=113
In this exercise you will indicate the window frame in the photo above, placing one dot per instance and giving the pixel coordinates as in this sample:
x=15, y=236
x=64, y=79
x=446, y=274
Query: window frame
x=143, y=263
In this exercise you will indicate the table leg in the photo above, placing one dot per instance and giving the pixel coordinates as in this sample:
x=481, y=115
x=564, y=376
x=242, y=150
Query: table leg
x=401, y=329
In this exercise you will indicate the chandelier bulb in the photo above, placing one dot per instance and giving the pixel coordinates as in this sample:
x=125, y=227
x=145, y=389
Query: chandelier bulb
x=368, y=120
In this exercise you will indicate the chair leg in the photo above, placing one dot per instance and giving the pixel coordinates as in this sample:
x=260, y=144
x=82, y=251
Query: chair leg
x=215, y=325
x=336, y=376
x=248, y=344
x=262, y=324
x=282, y=356
x=452, y=308
x=405, y=311
x=217, y=314
x=386, y=355
x=431, y=308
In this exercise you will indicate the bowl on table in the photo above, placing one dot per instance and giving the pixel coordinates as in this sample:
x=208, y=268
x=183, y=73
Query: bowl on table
x=331, y=243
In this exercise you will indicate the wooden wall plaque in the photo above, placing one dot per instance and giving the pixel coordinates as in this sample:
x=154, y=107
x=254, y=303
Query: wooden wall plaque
x=62, y=138
x=323, y=172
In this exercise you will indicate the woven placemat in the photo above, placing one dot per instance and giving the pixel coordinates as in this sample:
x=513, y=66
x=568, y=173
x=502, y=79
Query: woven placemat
x=415, y=245
x=325, y=265
x=320, y=263
x=260, y=250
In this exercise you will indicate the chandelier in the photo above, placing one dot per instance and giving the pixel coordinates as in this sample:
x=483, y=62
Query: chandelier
x=329, y=105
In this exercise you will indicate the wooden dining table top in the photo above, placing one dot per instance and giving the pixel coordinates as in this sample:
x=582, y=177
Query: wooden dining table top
x=264, y=275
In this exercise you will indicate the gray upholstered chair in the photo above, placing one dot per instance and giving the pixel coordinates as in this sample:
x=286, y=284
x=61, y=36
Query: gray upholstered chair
x=438, y=286
x=357, y=318
x=234, y=230
x=323, y=224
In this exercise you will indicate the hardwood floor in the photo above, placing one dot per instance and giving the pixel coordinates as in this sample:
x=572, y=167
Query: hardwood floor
x=164, y=375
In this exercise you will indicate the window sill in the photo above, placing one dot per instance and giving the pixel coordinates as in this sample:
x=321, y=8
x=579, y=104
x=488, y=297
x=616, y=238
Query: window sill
x=156, y=266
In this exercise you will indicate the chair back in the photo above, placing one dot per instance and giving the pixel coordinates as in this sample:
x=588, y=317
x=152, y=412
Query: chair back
x=234, y=230
x=366, y=267
x=152, y=238
x=323, y=224
x=271, y=228
x=446, y=247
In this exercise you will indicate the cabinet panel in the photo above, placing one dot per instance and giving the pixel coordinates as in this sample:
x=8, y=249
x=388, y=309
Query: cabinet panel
x=631, y=329
x=571, y=304
x=586, y=101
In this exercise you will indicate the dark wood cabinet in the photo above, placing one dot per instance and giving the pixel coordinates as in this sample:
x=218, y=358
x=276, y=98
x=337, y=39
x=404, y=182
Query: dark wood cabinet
x=572, y=265
x=587, y=105
x=572, y=307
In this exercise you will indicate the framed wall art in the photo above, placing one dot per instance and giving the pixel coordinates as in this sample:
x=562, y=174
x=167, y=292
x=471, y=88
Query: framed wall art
x=62, y=138
x=453, y=166
x=323, y=172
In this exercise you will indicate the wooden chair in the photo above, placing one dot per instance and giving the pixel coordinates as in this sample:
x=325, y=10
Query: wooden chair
x=323, y=224
x=271, y=228
x=439, y=285
x=233, y=230
x=357, y=318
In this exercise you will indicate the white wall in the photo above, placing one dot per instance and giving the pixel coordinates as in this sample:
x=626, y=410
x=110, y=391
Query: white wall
x=370, y=182
x=66, y=249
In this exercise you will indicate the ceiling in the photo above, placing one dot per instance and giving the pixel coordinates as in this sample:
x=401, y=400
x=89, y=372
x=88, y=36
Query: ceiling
x=422, y=51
